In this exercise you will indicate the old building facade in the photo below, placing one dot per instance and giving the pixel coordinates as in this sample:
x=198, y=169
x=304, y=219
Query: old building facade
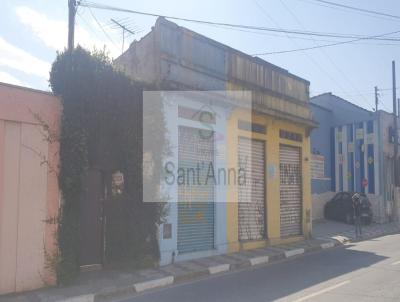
x=268, y=139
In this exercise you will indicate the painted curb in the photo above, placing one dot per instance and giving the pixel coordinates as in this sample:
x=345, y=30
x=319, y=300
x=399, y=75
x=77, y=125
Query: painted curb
x=327, y=245
x=218, y=269
x=259, y=260
x=142, y=286
x=83, y=298
x=294, y=252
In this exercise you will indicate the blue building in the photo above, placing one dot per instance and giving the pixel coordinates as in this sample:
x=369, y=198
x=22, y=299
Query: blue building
x=351, y=151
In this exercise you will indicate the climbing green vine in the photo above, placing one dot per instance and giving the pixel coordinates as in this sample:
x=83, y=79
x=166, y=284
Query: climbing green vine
x=101, y=129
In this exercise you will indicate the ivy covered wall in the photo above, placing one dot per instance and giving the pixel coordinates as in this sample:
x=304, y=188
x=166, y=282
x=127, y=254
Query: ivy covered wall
x=101, y=129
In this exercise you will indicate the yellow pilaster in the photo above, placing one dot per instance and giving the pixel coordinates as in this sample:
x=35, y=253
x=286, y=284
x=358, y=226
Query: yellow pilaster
x=231, y=204
x=273, y=193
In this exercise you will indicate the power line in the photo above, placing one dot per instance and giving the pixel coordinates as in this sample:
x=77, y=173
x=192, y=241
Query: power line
x=326, y=45
x=358, y=9
x=297, y=37
x=347, y=11
x=101, y=27
x=361, y=93
x=88, y=25
x=95, y=5
x=312, y=59
x=344, y=75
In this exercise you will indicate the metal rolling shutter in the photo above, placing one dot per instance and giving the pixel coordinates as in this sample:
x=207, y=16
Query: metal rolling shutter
x=195, y=201
x=290, y=191
x=252, y=194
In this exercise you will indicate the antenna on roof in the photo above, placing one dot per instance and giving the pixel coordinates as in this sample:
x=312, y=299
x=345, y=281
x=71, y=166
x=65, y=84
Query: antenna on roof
x=124, y=28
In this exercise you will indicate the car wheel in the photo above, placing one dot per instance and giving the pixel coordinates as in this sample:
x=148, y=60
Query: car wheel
x=349, y=219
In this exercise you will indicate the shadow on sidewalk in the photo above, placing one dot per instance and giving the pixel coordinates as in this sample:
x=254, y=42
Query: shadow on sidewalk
x=271, y=282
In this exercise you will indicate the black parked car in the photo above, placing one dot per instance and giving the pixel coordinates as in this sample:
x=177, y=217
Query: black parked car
x=340, y=208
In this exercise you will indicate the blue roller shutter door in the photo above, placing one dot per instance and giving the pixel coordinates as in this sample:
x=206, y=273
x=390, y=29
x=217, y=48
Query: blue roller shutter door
x=196, y=195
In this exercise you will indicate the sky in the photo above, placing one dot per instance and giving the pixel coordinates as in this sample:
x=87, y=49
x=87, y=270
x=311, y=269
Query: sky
x=31, y=32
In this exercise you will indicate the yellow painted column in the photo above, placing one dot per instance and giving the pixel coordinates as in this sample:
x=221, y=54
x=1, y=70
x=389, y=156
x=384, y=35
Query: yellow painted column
x=272, y=173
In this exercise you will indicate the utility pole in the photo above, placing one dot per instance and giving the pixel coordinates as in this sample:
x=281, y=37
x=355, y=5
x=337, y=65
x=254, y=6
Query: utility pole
x=396, y=141
x=398, y=107
x=376, y=98
x=71, y=23
x=124, y=28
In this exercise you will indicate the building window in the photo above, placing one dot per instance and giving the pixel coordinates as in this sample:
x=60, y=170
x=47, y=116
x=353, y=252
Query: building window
x=370, y=126
x=290, y=135
x=350, y=134
x=253, y=127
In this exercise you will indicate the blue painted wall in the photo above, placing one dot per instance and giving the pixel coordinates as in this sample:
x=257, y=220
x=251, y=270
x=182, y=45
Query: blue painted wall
x=343, y=112
x=331, y=111
x=320, y=144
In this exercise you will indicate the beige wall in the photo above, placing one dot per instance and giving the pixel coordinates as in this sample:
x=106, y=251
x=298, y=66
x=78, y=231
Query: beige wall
x=28, y=187
x=318, y=204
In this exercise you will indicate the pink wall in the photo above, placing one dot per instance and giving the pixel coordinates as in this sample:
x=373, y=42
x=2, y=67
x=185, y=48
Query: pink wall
x=28, y=187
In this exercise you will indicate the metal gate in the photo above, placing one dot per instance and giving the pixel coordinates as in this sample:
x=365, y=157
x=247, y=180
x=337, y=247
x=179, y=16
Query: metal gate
x=251, y=159
x=196, y=194
x=91, y=220
x=290, y=191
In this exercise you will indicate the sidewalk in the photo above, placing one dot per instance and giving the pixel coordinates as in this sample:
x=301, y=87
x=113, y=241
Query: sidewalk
x=342, y=232
x=111, y=284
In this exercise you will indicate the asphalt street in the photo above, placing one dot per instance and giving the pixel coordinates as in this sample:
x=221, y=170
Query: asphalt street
x=363, y=271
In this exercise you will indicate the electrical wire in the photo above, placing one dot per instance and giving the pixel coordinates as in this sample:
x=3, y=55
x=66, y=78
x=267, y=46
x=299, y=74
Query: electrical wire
x=87, y=24
x=91, y=4
x=326, y=45
x=101, y=27
x=333, y=63
x=348, y=11
x=354, y=38
x=311, y=58
x=299, y=37
x=358, y=9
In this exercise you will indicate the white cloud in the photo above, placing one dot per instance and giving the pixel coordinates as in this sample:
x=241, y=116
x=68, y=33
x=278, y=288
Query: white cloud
x=51, y=32
x=54, y=33
x=8, y=78
x=19, y=59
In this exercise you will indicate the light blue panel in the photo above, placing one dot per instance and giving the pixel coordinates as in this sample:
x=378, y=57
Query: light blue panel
x=168, y=247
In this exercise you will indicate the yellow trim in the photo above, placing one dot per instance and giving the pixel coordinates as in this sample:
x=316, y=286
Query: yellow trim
x=251, y=245
x=286, y=240
x=272, y=143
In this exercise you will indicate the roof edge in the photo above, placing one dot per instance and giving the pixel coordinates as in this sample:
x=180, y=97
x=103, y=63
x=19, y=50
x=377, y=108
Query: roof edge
x=27, y=88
